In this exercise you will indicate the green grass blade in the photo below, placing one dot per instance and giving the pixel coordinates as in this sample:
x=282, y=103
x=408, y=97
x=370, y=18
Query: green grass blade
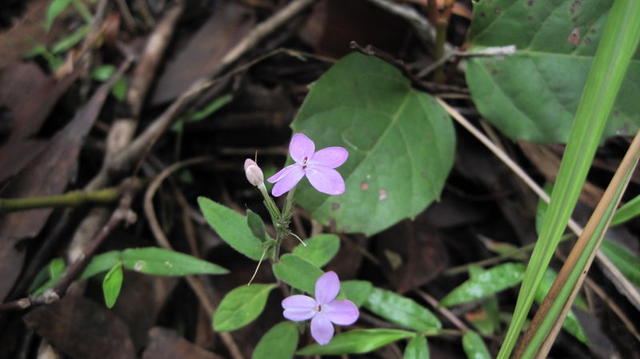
x=617, y=45
x=544, y=328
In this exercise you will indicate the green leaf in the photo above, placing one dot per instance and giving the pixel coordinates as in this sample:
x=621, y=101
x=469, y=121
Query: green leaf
x=627, y=211
x=297, y=272
x=319, y=249
x=400, y=142
x=49, y=276
x=231, y=227
x=56, y=7
x=256, y=225
x=103, y=73
x=70, y=41
x=625, y=260
x=111, y=285
x=401, y=310
x=120, y=88
x=159, y=261
x=417, y=348
x=357, y=342
x=204, y=113
x=474, y=346
x=357, y=291
x=534, y=94
x=279, y=342
x=486, y=283
x=101, y=263
x=241, y=306
x=487, y=318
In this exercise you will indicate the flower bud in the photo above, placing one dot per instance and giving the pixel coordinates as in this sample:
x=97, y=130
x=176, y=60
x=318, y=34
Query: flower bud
x=253, y=173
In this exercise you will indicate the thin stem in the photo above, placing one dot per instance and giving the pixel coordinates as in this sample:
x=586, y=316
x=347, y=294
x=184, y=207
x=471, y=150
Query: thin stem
x=69, y=199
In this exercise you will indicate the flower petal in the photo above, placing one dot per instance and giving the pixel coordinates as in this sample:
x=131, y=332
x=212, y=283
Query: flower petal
x=341, y=312
x=283, y=172
x=299, y=307
x=300, y=147
x=327, y=288
x=325, y=179
x=288, y=180
x=331, y=157
x=321, y=329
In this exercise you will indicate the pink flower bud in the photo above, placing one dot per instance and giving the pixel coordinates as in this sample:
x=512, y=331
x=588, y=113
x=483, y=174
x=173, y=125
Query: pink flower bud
x=253, y=173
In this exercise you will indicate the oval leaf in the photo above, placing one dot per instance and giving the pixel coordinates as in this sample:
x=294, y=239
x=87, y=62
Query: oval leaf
x=279, y=342
x=486, y=283
x=357, y=291
x=357, y=342
x=400, y=142
x=297, y=272
x=401, y=310
x=533, y=94
x=111, y=285
x=101, y=263
x=319, y=249
x=231, y=227
x=241, y=306
x=474, y=346
x=417, y=348
x=159, y=261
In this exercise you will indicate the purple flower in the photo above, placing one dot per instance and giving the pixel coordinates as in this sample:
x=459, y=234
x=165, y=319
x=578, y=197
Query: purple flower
x=317, y=166
x=324, y=309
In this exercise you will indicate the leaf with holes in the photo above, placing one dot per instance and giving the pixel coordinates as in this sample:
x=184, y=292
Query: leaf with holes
x=533, y=94
x=400, y=142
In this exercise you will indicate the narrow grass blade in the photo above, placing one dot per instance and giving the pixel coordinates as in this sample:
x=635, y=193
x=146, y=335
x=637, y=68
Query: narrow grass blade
x=545, y=326
x=615, y=50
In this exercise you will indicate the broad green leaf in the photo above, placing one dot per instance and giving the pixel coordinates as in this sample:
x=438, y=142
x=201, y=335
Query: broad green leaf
x=56, y=7
x=279, y=342
x=356, y=291
x=400, y=142
x=356, y=342
x=256, y=225
x=111, y=285
x=158, y=261
x=103, y=73
x=474, y=346
x=533, y=95
x=231, y=227
x=627, y=211
x=241, y=306
x=120, y=88
x=101, y=263
x=486, y=283
x=319, y=249
x=627, y=262
x=401, y=310
x=297, y=272
x=417, y=348
x=48, y=276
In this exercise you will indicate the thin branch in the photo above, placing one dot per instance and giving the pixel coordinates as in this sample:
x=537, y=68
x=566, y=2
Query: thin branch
x=120, y=214
x=69, y=199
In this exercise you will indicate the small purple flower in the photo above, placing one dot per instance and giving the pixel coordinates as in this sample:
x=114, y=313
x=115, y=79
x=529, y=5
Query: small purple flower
x=324, y=309
x=317, y=166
